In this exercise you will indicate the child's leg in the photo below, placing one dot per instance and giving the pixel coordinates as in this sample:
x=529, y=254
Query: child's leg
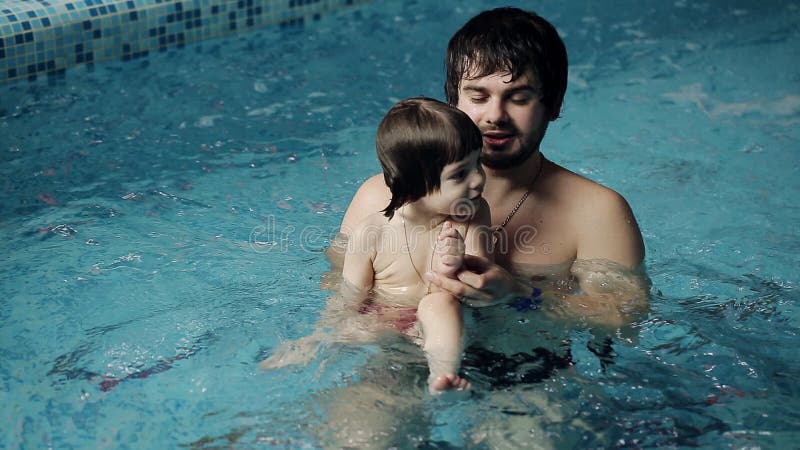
x=439, y=314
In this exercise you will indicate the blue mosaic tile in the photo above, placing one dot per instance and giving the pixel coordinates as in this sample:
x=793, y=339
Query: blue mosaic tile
x=45, y=37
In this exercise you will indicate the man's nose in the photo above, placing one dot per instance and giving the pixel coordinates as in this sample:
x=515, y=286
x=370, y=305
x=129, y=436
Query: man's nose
x=495, y=112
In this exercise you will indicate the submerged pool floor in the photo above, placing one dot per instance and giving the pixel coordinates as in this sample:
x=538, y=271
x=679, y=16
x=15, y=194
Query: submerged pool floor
x=164, y=222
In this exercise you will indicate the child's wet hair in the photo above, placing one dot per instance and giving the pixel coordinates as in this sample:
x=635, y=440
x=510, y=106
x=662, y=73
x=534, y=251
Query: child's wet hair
x=416, y=139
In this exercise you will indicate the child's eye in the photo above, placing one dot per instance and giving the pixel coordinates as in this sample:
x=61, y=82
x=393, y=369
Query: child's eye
x=459, y=175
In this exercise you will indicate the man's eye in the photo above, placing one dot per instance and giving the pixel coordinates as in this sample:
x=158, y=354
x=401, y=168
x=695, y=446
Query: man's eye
x=459, y=175
x=480, y=99
x=521, y=99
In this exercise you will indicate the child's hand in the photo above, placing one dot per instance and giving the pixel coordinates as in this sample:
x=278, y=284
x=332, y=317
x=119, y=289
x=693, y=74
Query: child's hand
x=448, y=255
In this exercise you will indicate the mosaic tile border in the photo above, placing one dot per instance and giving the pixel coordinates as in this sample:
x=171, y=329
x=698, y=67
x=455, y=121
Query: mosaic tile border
x=45, y=38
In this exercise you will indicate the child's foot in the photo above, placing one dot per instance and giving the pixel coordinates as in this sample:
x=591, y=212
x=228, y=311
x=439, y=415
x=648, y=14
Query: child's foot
x=448, y=382
x=449, y=251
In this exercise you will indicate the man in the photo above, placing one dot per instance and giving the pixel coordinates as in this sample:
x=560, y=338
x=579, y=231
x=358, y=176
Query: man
x=507, y=69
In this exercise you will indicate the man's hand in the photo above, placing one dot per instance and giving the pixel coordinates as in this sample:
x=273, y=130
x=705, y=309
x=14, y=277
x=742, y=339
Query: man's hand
x=480, y=283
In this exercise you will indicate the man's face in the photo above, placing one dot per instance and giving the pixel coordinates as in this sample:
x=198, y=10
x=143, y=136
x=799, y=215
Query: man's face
x=510, y=115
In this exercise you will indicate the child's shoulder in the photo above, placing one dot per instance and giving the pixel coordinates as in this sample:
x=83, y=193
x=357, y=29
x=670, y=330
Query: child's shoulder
x=371, y=227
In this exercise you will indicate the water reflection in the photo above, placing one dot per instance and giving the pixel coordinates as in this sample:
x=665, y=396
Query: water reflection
x=521, y=356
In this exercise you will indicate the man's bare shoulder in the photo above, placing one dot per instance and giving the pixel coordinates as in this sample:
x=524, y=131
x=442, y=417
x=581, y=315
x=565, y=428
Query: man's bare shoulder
x=371, y=223
x=602, y=219
x=372, y=196
x=366, y=235
x=374, y=186
x=585, y=196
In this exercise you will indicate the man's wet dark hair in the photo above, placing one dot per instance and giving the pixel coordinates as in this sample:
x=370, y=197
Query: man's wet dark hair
x=508, y=40
x=416, y=139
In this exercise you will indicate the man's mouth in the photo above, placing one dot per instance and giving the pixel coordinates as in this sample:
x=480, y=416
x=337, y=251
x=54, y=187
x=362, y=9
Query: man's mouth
x=497, y=138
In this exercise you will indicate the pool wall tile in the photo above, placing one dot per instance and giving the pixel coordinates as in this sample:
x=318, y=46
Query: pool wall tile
x=45, y=38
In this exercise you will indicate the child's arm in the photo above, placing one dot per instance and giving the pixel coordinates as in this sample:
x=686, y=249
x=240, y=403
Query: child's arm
x=480, y=282
x=478, y=238
x=454, y=242
x=448, y=254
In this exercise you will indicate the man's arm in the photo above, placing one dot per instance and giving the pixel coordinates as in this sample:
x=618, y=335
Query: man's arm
x=614, y=287
x=371, y=197
x=608, y=230
x=340, y=321
x=358, y=271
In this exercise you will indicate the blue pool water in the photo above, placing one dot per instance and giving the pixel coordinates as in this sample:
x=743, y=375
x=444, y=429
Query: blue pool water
x=164, y=224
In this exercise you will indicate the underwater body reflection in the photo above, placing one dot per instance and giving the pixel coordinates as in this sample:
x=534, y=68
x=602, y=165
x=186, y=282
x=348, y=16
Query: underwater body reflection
x=517, y=349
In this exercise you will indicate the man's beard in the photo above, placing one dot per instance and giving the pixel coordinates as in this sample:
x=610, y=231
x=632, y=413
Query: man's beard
x=502, y=161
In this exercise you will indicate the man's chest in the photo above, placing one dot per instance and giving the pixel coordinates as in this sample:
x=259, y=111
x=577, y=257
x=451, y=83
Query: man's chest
x=535, y=239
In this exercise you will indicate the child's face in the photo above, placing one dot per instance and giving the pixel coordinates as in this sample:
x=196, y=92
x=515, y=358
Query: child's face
x=460, y=189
